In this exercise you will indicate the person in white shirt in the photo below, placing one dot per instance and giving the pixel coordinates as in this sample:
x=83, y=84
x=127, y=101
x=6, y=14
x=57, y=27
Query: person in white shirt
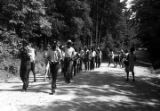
x=111, y=57
x=75, y=62
x=98, y=57
x=54, y=58
x=63, y=56
x=32, y=54
x=93, y=58
x=68, y=61
x=81, y=55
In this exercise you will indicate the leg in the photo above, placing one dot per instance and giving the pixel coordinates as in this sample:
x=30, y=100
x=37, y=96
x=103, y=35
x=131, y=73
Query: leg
x=133, y=75
x=54, y=71
x=26, y=71
x=132, y=70
x=46, y=71
x=127, y=72
x=33, y=70
x=109, y=62
x=86, y=65
x=75, y=68
x=65, y=68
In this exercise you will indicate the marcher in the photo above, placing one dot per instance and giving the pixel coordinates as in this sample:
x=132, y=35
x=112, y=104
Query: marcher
x=32, y=54
x=98, y=57
x=47, y=65
x=122, y=58
x=111, y=57
x=75, y=63
x=93, y=58
x=129, y=67
x=62, y=49
x=68, y=61
x=54, y=60
x=86, y=59
x=82, y=55
x=25, y=66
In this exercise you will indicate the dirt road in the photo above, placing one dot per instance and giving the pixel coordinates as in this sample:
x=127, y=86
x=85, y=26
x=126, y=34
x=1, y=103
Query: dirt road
x=103, y=89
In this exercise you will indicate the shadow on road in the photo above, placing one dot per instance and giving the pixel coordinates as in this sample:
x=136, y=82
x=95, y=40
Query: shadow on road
x=100, y=91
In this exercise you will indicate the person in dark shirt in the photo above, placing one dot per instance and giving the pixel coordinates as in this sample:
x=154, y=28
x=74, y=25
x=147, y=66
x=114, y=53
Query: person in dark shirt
x=25, y=66
x=131, y=58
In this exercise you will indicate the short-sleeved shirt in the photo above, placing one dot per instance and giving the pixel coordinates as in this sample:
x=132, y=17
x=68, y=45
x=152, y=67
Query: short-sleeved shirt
x=69, y=52
x=53, y=56
x=131, y=59
x=31, y=53
x=94, y=54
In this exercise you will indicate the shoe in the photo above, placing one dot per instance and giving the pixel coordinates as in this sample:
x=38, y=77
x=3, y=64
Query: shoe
x=52, y=92
x=24, y=90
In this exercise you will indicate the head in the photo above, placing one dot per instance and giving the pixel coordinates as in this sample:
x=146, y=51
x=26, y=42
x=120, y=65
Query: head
x=62, y=47
x=29, y=44
x=25, y=43
x=132, y=49
x=54, y=46
x=58, y=44
x=98, y=49
x=69, y=43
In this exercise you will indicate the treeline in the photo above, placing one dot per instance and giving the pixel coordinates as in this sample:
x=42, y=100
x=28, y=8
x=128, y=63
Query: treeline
x=87, y=22
x=146, y=20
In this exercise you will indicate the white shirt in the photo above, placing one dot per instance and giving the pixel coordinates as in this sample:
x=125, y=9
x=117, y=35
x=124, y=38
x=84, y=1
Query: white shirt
x=82, y=53
x=94, y=54
x=69, y=52
x=31, y=53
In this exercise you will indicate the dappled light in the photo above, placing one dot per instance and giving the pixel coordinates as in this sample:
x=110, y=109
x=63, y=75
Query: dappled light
x=99, y=90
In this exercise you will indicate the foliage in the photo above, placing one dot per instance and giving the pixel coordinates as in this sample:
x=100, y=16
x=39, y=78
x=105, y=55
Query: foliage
x=42, y=21
x=147, y=22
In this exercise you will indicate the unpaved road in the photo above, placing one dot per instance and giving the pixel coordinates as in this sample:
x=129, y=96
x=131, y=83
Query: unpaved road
x=103, y=89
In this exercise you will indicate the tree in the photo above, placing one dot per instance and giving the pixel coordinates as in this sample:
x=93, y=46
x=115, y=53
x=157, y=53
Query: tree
x=106, y=15
x=26, y=17
x=147, y=22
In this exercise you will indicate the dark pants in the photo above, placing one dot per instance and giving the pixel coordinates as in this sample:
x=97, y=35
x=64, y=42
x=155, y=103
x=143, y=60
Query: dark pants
x=87, y=64
x=74, y=68
x=92, y=63
x=110, y=60
x=80, y=64
x=68, y=64
x=24, y=73
x=98, y=62
x=54, y=70
x=33, y=70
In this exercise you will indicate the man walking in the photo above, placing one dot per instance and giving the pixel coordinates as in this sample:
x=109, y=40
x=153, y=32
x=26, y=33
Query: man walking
x=54, y=60
x=68, y=61
x=25, y=66
x=32, y=55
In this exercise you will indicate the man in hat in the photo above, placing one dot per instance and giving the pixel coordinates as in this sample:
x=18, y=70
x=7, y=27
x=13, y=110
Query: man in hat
x=68, y=61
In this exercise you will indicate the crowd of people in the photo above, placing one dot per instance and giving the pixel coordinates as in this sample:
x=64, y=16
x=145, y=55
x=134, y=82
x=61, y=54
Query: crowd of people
x=71, y=61
x=125, y=59
x=66, y=57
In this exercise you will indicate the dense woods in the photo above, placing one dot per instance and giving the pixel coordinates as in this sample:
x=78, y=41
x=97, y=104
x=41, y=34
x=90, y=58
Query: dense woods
x=104, y=23
x=146, y=21
x=91, y=22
